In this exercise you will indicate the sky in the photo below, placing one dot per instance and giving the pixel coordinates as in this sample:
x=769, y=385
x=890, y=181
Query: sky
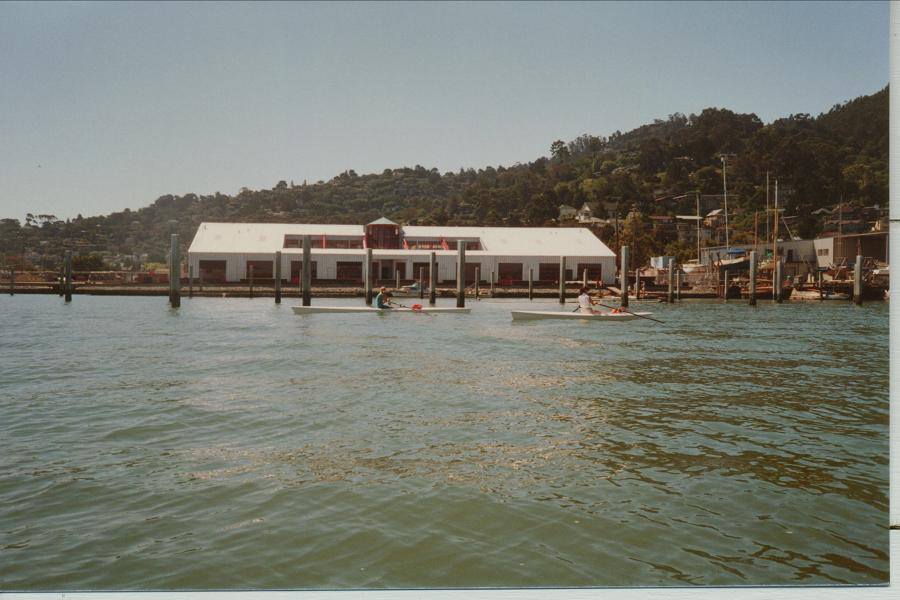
x=106, y=106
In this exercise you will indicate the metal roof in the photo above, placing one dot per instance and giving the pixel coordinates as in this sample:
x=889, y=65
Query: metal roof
x=225, y=238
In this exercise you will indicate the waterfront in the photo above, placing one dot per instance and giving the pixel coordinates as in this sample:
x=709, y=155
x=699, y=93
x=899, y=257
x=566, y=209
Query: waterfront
x=231, y=444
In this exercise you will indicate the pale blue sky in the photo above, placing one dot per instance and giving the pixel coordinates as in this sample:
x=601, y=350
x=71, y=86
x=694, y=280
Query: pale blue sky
x=121, y=103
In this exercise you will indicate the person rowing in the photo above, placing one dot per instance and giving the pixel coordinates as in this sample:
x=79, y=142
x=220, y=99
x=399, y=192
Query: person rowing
x=383, y=299
x=585, y=302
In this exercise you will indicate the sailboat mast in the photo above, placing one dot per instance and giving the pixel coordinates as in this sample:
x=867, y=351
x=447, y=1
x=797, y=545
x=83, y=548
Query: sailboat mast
x=698, y=227
x=725, y=191
x=775, y=233
x=767, y=207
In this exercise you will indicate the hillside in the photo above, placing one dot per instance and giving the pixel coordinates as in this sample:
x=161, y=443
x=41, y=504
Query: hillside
x=818, y=160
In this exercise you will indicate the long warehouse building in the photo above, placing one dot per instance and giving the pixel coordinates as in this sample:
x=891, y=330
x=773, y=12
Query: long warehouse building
x=224, y=252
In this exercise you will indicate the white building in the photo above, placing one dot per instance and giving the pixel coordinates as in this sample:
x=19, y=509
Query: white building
x=224, y=252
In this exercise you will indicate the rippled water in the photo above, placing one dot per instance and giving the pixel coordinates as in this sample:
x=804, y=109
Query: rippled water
x=231, y=444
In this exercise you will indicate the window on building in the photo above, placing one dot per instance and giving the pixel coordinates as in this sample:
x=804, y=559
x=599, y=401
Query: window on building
x=548, y=272
x=509, y=271
x=212, y=271
x=262, y=269
x=349, y=271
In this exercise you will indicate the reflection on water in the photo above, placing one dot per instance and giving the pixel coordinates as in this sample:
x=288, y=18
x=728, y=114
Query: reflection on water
x=233, y=444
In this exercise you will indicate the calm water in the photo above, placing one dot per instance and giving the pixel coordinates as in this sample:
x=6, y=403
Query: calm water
x=231, y=444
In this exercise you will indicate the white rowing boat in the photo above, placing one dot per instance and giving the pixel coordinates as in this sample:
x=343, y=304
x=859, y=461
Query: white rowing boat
x=310, y=310
x=531, y=315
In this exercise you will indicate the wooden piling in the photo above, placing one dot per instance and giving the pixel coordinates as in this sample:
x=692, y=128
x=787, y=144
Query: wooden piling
x=432, y=279
x=584, y=278
x=623, y=269
x=858, y=281
x=530, y=283
x=397, y=277
x=562, y=279
x=67, y=280
x=725, y=287
x=670, y=295
x=421, y=283
x=819, y=281
x=307, y=269
x=752, y=289
x=460, y=274
x=777, y=281
x=62, y=279
x=12, y=281
x=190, y=280
x=250, y=280
x=367, y=276
x=175, y=272
x=477, y=277
x=492, y=284
x=200, y=279
x=278, y=277
x=678, y=285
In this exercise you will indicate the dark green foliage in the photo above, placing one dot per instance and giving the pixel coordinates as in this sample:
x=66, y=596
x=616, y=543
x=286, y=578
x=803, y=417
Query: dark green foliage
x=842, y=153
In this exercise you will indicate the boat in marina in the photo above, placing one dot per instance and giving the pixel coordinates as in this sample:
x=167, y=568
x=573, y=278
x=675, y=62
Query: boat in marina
x=606, y=317
x=310, y=310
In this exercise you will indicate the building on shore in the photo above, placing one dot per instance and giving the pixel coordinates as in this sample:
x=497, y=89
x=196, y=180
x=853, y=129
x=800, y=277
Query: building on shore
x=841, y=250
x=224, y=252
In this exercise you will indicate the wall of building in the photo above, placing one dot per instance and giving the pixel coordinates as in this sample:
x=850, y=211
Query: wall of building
x=326, y=263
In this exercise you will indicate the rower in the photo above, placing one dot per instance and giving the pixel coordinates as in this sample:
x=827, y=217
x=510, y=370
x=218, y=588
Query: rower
x=383, y=299
x=585, y=302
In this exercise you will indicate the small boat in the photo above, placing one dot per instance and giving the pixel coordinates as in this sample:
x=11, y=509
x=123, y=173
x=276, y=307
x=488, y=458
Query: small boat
x=309, y=310
x=606, y=317
x=693, y=266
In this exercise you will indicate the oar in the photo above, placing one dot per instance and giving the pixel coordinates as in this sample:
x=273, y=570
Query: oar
x=627, y=311
x=412, y=309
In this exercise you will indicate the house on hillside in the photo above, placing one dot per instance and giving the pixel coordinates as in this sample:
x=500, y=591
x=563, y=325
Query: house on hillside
x=567, y=212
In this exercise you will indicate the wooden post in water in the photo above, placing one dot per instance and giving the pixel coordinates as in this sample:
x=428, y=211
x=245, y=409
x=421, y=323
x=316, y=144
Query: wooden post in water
x=562, y=279
x=819, y=281
x=421, y=283
x=858, y=281
x=725, y=287
x=432, y=279
x=623, y=269
x=670, y=295
x=678, y=285
x=175, y=272
x=62, y=279
x=200, y=279
x=752, y=289
x=477, y=276
x=530, y=283
x=250, y=279
x=278, y=277
x=367, y=276
x=67, y=280
x=12, y=281
x=777, y=278
x=492, y=283
x=397, y=277
x=584, y=277
x=460, y=274
x=307, y=269
x=190, y=280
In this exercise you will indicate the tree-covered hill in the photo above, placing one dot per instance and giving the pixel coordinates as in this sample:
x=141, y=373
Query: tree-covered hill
x=818, y=161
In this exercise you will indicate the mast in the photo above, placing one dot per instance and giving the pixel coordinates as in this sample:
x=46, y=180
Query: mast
x=775, y=233
x=698, y=226
x=767, y=207
x=840, y=230
x=755, y=228
x=725, y=190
